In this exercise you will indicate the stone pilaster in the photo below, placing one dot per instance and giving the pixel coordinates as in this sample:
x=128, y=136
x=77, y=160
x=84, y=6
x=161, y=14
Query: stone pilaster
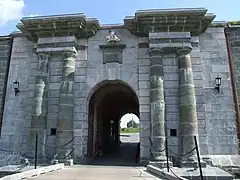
x=157, y=104
x=66, y=106
x=40, y=104
x=188, y=124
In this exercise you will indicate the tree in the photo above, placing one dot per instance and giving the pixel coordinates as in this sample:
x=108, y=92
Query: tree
x=132, y=124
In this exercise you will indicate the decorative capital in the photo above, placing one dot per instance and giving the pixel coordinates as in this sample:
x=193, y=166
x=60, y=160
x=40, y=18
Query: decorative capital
x=156, y=52
x=112, y=38
x=70, y=54
x=184, y=51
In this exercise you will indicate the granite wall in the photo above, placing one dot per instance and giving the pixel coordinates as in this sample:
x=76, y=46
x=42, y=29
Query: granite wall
x=90, y=71
x=233, y=33
x=80, y=122
x=5, y=55
x=16, y=117
x=171, y=91
x=215, y=112
x=217, y=129
x=144, y=94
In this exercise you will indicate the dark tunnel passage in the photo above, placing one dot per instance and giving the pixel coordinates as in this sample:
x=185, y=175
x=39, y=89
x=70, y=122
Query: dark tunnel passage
x=106, y=107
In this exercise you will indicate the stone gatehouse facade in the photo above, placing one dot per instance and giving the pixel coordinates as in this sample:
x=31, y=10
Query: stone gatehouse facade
x=169, y=58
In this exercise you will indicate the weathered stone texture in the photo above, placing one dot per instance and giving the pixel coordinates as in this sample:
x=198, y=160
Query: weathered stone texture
x=127, y=71
x=90, y=71
x=219, y=134
x=144, y=93
x=171, y=91
x=5, y=53
x=80, y=123
x=198, y=78
x=17, y=111
x=188, y=126
x=234, y=42
x=97, y=71
x=157, y=104
x=54, y=69
x=39, y=104
x=66, y=105
x=65, y=90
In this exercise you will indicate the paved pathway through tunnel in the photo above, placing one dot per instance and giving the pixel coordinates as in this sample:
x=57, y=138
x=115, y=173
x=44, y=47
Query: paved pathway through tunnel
x=124, y=155
x=88, y=172
x=117, y=166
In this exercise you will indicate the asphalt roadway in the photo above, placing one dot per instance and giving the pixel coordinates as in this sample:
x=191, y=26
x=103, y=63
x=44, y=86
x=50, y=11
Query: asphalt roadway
x=129, y=137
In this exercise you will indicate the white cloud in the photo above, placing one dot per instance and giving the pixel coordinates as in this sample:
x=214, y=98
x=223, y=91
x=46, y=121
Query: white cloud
x=10, y=10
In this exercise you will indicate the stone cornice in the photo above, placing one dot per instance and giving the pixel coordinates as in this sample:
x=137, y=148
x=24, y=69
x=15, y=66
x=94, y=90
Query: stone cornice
x=59, y=45
x=230, y=27
x=59, y=25
x=194, y=20
x=218, y=24
x=5, y=43
x=171, y=48
x=56, y=50
x=5, y=38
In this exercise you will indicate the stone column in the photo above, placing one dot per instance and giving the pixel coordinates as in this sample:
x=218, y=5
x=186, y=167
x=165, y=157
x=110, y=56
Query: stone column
x=157, y=104
x=66, y=107
x=40, y=104
x=188, y=125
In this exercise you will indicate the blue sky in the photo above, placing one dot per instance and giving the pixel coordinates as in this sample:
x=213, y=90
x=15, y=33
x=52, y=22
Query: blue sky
x=105, y=10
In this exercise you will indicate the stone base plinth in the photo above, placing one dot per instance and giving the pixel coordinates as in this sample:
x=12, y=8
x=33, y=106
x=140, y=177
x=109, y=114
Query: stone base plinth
x=222, y=160
x=161, y=164
x=189, y=173
x=54, y=161
x=66, y=162
x=192, y=164
x=144, y=162
x=207, y=160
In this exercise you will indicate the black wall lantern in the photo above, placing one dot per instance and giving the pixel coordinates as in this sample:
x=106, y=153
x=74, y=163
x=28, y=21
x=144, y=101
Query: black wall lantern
x=218, y=84
x=16, y=87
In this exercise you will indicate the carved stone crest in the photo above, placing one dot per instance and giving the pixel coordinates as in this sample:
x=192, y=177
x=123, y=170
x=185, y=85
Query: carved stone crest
x=112, y=37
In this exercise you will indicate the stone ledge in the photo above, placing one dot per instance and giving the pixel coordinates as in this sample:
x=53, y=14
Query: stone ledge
x=56, y=50
x=171, y=47
x=210, y=173
x=34, y=172
x=187, y=20
x=59, y=25
x=224, y=161
x=162, y=174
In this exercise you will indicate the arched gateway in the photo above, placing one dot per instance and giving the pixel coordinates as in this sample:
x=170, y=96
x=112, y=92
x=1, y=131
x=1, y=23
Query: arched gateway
x=107, y=103
x=175, y=60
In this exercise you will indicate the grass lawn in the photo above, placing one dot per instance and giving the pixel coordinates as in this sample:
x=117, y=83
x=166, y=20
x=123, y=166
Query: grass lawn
x=130, y=130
